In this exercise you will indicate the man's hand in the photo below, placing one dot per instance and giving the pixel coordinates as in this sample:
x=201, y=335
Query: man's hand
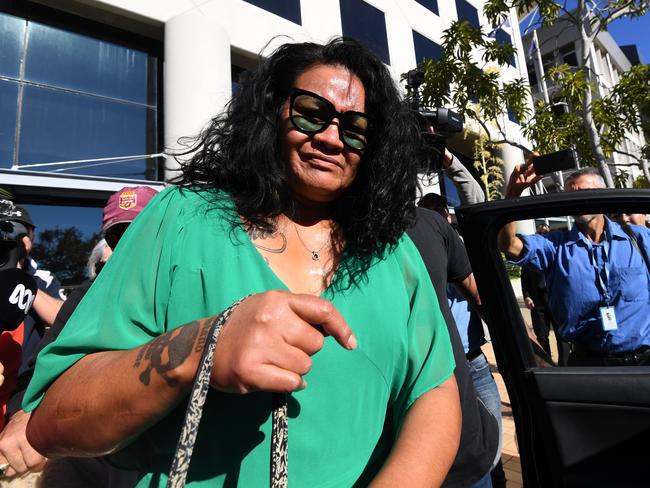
x=522, y=177
x=529, y=303
x=268, y=340
x=15, y=450
x=2, y=374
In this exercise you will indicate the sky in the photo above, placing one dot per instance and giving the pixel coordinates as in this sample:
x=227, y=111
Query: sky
x=633, y=31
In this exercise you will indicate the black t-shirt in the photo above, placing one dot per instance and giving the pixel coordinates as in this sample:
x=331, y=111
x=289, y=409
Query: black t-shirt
x=446, y=260
x=16, y=400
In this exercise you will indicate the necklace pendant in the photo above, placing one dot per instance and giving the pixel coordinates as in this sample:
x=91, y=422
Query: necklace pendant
x=315, y=256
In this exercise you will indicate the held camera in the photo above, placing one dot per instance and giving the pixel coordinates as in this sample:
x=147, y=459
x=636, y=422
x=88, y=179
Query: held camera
x=563, y=160
x=441, y=121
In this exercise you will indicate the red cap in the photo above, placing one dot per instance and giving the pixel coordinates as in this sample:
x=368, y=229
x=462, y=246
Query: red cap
x=126, y=204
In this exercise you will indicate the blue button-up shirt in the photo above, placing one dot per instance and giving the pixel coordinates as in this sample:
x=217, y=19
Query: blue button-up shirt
x=582, y=276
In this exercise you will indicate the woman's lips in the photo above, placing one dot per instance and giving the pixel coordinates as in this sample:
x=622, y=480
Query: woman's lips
x=321, y=161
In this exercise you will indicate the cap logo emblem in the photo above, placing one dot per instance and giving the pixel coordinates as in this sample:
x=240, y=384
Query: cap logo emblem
x=128, y=199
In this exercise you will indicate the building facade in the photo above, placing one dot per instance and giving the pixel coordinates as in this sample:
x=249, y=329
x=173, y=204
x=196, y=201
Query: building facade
x=94, y=92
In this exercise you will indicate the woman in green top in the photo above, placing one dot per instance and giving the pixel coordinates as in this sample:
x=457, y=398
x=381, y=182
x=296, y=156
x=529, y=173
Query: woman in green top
x=298, y=195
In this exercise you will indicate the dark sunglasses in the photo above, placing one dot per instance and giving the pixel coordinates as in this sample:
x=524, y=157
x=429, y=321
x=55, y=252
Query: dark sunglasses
x=114, y=234
x=311, y=114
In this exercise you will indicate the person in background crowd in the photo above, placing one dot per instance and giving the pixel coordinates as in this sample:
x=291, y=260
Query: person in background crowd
x=464, y=304
x=596, y=274
x=533, y=286
x=120, y=210
x=50, y=296
x=17, y=345
x=299, y=196
x=98, y=257
x=444, y=256
x=634, y=218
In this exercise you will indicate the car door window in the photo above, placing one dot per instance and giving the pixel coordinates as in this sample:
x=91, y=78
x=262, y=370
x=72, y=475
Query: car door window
x=582, y=284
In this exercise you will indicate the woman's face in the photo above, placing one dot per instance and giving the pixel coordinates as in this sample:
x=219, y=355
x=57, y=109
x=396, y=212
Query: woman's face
x=320, y=166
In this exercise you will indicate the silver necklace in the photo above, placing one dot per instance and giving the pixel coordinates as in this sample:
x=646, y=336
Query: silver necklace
x=315, y=255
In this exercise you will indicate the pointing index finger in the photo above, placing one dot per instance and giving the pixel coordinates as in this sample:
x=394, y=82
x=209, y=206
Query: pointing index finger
x=324, y=316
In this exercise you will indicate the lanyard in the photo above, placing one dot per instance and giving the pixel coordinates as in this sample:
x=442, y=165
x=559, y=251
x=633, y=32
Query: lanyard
x=601, y=272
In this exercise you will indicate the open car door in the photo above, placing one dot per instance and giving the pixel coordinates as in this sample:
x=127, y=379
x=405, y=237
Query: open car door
x=576, y=426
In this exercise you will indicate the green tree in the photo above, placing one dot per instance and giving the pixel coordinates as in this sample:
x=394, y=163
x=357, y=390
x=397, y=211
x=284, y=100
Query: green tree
x=471, y=63
x=65, y=253
x=489, y=167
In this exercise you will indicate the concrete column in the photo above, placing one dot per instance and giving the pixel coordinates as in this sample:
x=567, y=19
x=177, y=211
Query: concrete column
x=513, y=156
x=196, y=77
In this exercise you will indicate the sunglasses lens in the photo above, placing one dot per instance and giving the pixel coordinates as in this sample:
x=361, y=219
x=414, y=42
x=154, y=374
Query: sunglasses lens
x=310, y=114
x=355, y=129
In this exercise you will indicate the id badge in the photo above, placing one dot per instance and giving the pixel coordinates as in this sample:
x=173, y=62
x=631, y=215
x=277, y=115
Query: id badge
x=608, y=318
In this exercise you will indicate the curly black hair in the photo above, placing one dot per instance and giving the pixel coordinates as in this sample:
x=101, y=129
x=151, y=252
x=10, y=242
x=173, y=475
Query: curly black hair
x=238, y=152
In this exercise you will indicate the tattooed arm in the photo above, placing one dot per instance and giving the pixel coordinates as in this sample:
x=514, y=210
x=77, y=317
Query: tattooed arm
x=108, y=398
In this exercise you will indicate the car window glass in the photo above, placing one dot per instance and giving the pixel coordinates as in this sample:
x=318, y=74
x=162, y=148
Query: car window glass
x=582, y=286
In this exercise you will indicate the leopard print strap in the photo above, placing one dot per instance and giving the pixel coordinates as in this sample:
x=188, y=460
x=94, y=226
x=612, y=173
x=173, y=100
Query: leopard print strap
x=185, y=446
x=279, y=442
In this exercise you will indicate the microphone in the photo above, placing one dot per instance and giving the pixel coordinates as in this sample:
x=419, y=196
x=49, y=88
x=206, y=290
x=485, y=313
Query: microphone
x=17, y=293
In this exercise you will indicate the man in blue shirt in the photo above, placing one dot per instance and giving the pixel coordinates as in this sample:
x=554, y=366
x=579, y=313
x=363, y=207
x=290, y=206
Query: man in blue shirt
x=597, y=278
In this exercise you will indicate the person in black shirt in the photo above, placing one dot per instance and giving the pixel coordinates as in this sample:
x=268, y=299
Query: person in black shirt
x=445, y=258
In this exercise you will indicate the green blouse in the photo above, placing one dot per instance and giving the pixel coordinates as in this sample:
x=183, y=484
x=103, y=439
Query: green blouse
x=181, y=260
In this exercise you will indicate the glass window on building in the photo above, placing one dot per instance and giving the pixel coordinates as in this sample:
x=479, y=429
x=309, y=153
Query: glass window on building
x=76, y=98
x=287, y=9
x=568, y=54
x=532, y=74
x=8, y=106
x=430, y=5
x=512, y=117
x=366, y=24
x=466, y=11
x=502, y=37
x=12, y=38
x=548, y=61
x=425, y=48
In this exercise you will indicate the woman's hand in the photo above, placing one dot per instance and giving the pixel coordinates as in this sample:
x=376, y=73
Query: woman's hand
x=268, y=341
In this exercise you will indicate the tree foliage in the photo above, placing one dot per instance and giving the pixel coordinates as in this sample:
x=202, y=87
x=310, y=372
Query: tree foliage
x=468, y=78
x=64, y=252
x=489, y=167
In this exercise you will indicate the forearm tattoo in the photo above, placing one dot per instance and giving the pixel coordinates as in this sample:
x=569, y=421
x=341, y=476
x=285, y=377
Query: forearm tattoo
x=168, y=351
